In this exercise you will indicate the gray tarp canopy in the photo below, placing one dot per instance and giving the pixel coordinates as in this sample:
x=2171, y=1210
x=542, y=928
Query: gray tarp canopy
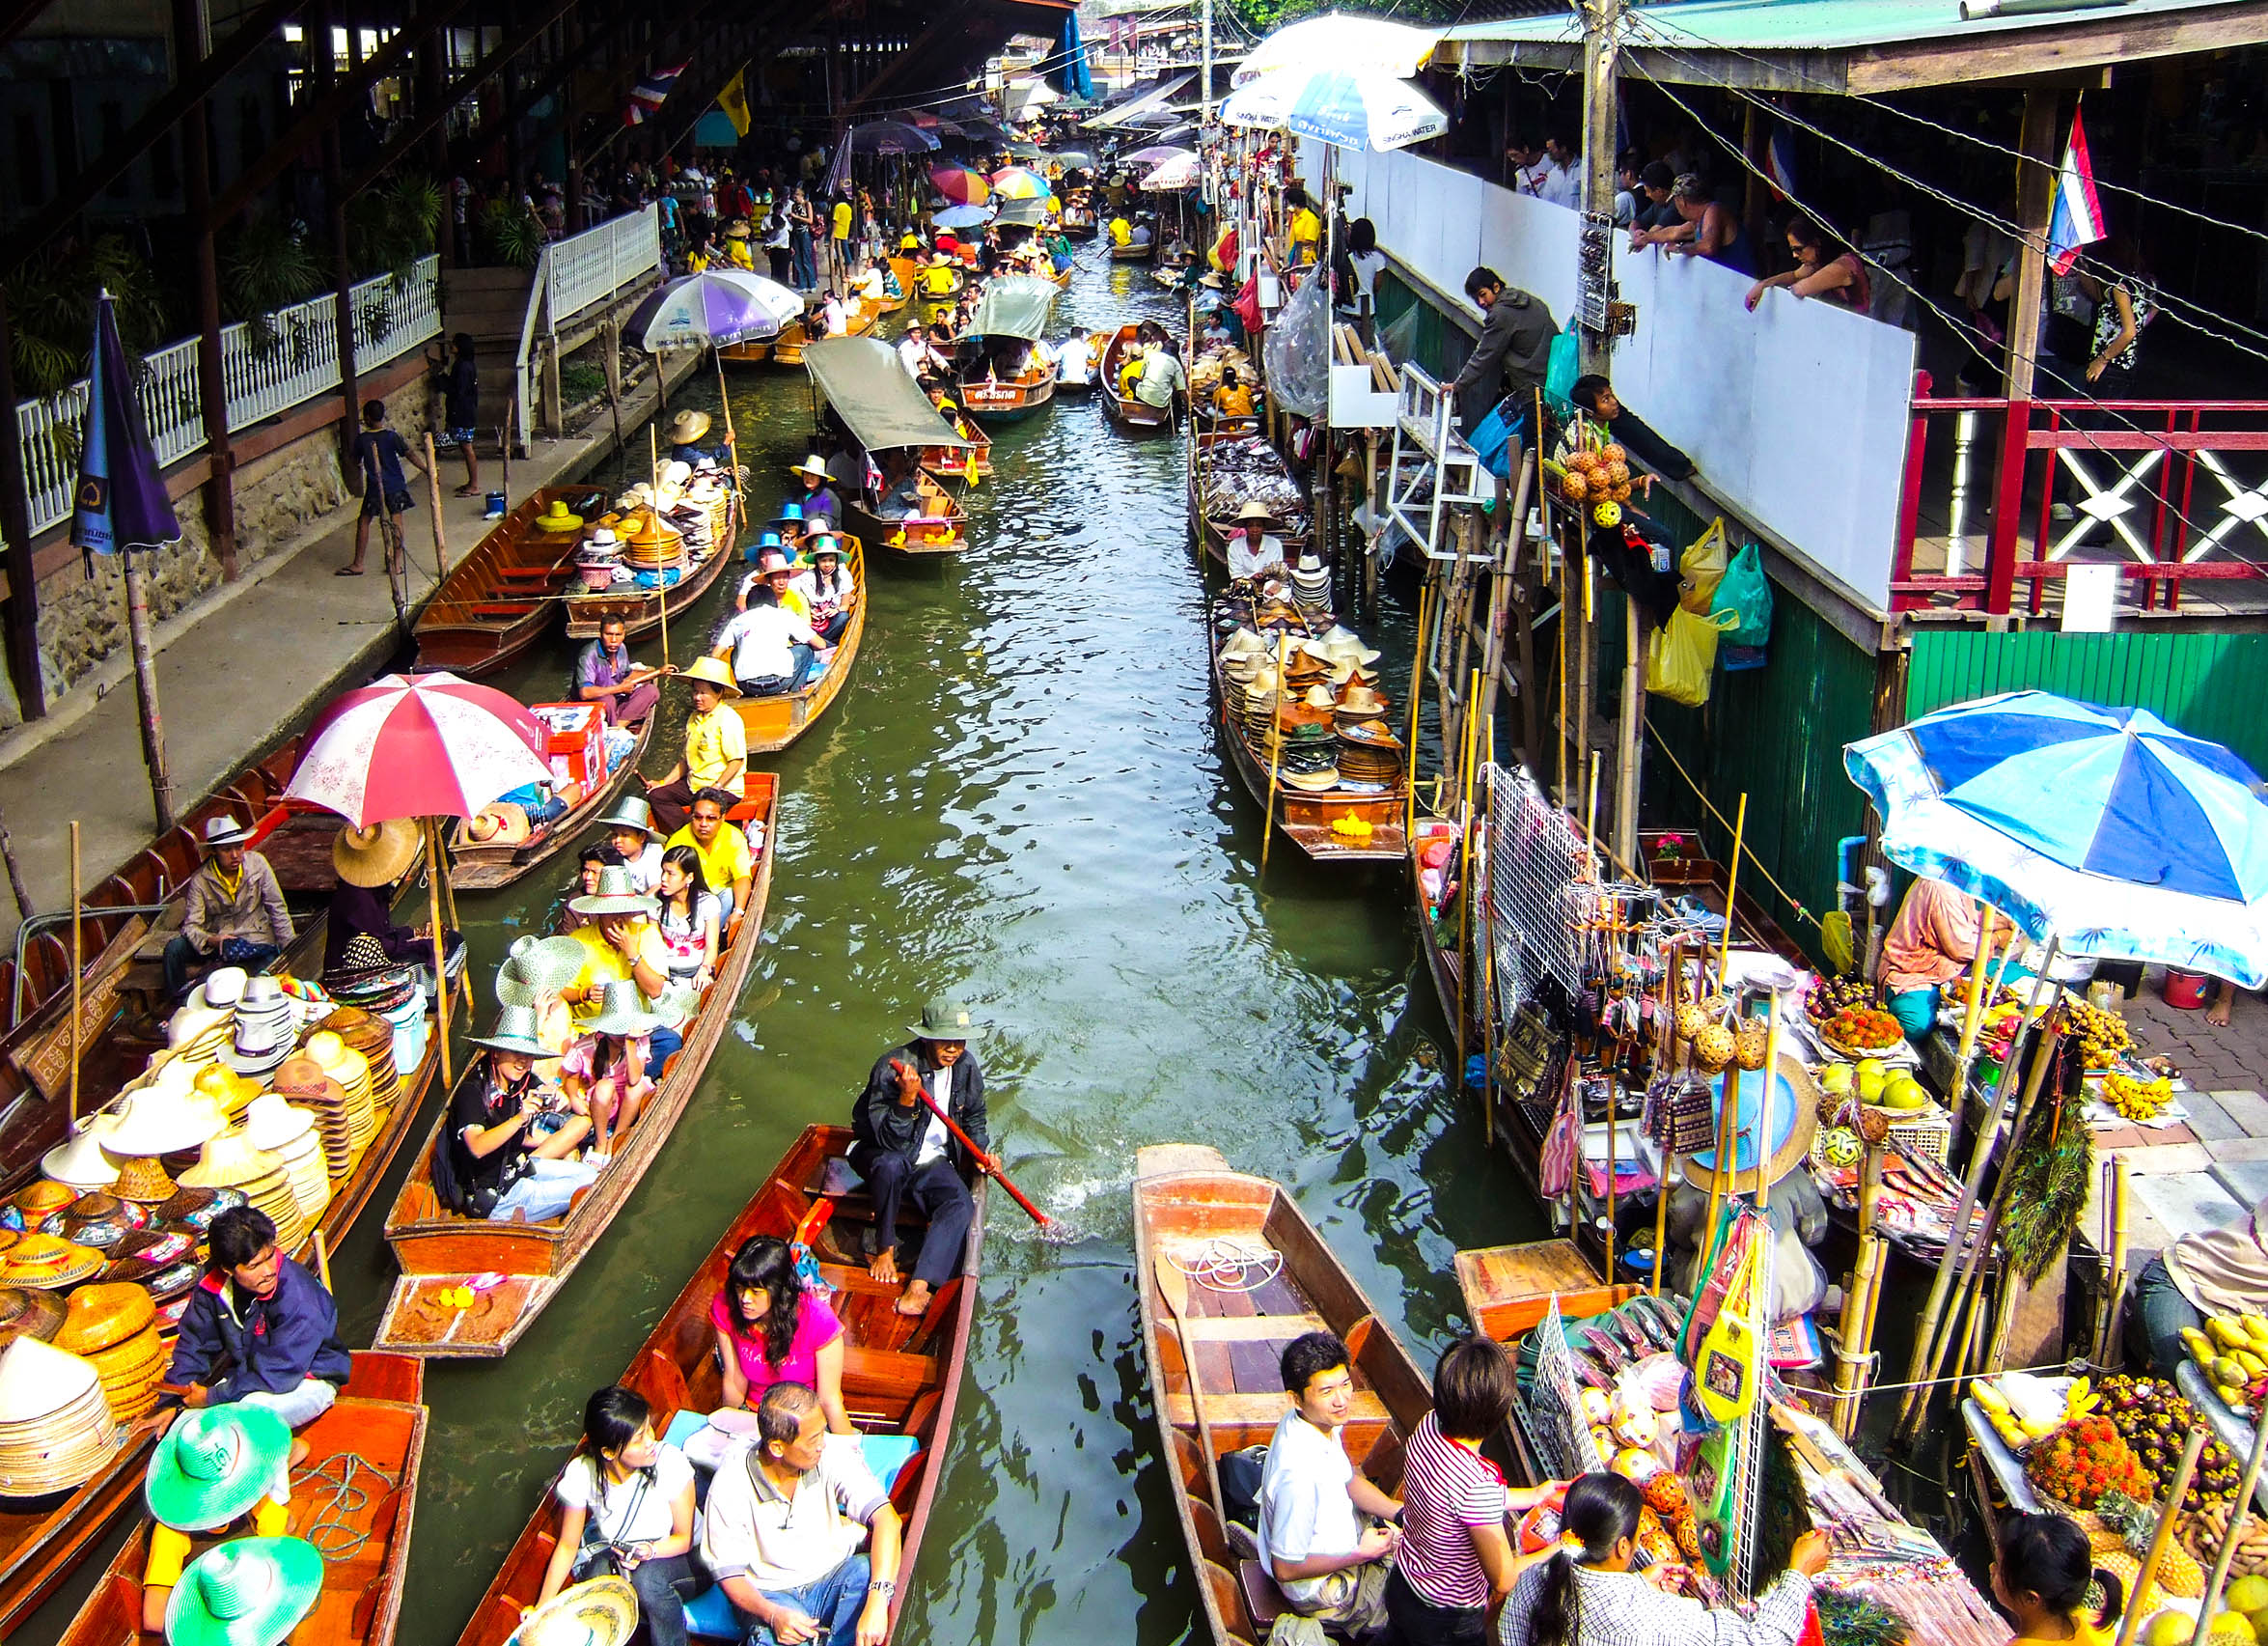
x=1014, y=305
x=867, y=387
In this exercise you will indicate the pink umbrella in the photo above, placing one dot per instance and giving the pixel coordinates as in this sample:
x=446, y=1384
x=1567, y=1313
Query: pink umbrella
x=418, y=747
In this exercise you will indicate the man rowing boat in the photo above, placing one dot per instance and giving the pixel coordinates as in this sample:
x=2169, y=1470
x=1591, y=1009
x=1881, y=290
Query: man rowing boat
x=905, y=1150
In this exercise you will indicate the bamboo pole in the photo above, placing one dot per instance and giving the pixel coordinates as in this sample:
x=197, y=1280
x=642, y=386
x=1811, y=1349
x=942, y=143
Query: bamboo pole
x=322, y=1259
x=1417, y=692
x=440, y=956
x=1587, y=665
x=1733, y=888
x=1669, y=1044
x=2115, y=1303
x=2240, y=1509
x=2165, y=1534
x=1771, y=1073
x=1465, y=892
x=77, y=966
x=433, y=497
x=1566, y=795
x=1275, y=750
x=1847, y=1348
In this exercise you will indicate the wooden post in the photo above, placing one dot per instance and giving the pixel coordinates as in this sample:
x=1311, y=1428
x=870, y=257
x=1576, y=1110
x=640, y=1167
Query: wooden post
x=190, y=43
x=1601, y=118
x=1849, y=1352
x=440, y=951
x=322, y=69
x=161, y=786
x=2035, y=175
x=23, y=899
x=77, y=966
x=433, y=497
x=612, y=356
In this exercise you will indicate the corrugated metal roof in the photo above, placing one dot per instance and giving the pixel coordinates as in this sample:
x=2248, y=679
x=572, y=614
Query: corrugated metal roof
x=1824, y=25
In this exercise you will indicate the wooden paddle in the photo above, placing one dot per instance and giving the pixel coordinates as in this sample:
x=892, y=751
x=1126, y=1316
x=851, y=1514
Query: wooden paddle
x=963, y=1138
x=1174, y=1286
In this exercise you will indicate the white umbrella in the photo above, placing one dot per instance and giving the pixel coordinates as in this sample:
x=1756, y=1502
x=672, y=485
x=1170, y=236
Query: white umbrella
x=1397, y=48
x=1362, y=107
x=1180, y=173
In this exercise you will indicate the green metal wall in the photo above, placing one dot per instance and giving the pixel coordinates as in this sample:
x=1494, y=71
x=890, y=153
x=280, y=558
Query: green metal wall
x=1435, y=341
x=2210, y=685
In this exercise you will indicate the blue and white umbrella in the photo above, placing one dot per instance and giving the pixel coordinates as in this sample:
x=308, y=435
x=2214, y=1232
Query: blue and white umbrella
x=1362, y=107
x=963, y=216
x=2105, y=828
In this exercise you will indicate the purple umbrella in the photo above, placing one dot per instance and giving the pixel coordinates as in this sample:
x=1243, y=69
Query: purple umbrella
x=121, y=502
x=716, y=306
x=1156, y=154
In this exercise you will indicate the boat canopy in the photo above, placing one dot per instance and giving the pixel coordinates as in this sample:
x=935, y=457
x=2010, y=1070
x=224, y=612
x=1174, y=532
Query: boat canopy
x=870, y=390
x=1014, y=305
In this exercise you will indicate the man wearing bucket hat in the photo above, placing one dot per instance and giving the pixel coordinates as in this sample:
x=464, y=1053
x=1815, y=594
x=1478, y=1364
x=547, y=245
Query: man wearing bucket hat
x=260, y=1330
x=630, y=831
x=209, y=1471
x=605, y=674
x=489, y=1168
x=771, y=643
x=904, y=1151
x=716, y=748
x=233, y=912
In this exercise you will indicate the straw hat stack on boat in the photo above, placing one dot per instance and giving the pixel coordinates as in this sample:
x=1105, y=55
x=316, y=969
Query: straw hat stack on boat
x=1369, y=753
x=1311, y=584
x=27, y=1313
x=79, y=1163
x=230, y=1161
x=653, y=547
x=1308, y=758
x=169, y=1116
x=265, y=1027
x=289, y=1133
x=376, y=1038
x=196, y=1034
x=100, y=1221
x=303, y=1081
x=56, y=1428
x=353, y=1071
x=47, y=1263
x=114, y=1327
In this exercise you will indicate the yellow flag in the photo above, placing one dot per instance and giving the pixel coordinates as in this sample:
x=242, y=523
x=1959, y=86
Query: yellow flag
x=969, y=471
x=733, y=101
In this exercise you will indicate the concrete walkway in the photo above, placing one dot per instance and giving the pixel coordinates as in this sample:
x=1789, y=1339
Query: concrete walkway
x=241, y=671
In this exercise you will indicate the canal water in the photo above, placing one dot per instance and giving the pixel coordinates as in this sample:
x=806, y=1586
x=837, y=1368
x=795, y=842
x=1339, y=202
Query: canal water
x=1018, y=799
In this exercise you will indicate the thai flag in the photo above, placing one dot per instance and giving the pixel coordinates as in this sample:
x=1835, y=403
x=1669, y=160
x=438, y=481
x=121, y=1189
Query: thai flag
x=647, y=95
x=2076, y=219
x=1780, y=162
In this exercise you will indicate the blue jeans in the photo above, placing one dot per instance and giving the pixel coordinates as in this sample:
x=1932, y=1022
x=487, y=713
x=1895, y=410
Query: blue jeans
x=833, y=1602
x=545, y=1192
x=2156, y=1311
x=184, y=964
x=659, y=1045
x=805, y=265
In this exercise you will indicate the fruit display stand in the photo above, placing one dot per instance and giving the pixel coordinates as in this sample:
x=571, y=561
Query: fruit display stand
x=2233, y=1429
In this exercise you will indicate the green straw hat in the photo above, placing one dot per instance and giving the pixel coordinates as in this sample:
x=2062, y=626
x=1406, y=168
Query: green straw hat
x=623, y=1012
x=616, y=895
x=631, y=812
x=248, y=1591
x=514, y=1031
x=537, y=967
x=213, y=1465
x=946, y=1020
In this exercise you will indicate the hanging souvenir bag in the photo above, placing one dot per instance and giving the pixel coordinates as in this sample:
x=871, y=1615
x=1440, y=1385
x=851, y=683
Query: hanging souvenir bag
x=1556, y=1168
x=1732, y=1357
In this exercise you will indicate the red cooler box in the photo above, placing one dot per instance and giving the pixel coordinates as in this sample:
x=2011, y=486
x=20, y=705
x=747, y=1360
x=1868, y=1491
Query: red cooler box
x=575, y=742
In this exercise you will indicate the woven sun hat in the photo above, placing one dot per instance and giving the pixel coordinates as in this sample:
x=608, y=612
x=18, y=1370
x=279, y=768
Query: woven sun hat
x=232, y=1160
x=56, y=1428
x=103, y=1317
x=221, y=988
x=946, y=1020
x=223, y=831
x=1254, y=510
x=258, y=1044
x=601, y=1611
x=1361, y=703
x=339, y=1060
x=539, y=966
x=814, y=466
x=1794, y=1118
x=514, y=1031
x=26, y=1312
x=687, y=427
x=79, y=1163
x=1312, y=782
x=247, y=1592
x=713, y=672
x=225, y=1089
x=98, y=1220
x=1319, y=697
x=622, y=1012
x=377, y=856
x=629, y=812
x=615, y=894
x=49, y=1261
x=37, y=1202
x=194, y=1209
x=272, y=1124
x=213, y=1465
x=192, y=1025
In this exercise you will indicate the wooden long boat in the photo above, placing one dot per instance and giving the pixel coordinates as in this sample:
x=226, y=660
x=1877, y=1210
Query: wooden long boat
x=753, y=352
x=1212, y=515
x=1009, y=400
x=1143, y=252
x=499, y=600
x=521, y=1266
x=901, y=1375
x=483, y=866
x=643, y=611
x=950, y=463
x=379, y=1422
x=1078, y=223
x=772, y=723
x=1135, y=416
x=907, y=272
x=942, y=527
x=1189, y=1205
x=788, y=347
x=1306, y=818
x=869, y=398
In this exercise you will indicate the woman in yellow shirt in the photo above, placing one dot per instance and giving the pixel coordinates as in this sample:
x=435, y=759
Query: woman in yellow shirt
x=1232, y=399
x=2041, y=1582
x=1304, y=233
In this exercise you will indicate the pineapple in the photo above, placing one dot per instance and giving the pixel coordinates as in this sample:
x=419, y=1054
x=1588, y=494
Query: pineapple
x=2136, y=1525
x=2128, y=1571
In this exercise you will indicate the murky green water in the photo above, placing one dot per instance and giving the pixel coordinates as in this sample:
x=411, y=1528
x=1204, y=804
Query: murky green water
x=1019, y=798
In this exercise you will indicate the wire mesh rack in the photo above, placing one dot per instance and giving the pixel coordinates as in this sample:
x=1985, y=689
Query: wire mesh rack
x=1535, y=858
x=1553, y=1417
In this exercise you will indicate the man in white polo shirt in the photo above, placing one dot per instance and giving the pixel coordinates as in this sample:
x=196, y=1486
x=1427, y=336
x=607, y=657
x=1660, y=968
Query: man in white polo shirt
x=784, y=1524
x=1313, y=1541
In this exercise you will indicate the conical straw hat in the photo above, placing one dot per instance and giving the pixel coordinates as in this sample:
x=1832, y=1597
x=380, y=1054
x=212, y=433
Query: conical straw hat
x=79, y=1163
x=37, y=1380
x=103, y=1317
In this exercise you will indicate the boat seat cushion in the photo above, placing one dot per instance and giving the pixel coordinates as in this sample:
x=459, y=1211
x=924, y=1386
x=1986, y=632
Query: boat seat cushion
x=1262, y=1599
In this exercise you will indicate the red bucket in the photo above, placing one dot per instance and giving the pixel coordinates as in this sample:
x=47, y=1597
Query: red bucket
x=2187, y=990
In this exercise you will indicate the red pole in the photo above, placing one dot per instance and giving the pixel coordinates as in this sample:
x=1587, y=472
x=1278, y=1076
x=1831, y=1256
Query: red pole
x=1901, y=565
x=2000, y=555
x=963, y=1138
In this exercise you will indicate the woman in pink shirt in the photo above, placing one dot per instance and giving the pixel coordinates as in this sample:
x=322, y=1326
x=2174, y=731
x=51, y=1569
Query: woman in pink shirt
x=771, y=1330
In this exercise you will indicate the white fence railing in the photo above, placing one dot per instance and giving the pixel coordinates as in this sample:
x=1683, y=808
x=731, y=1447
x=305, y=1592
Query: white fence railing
x=573, y=273
x=269, y=368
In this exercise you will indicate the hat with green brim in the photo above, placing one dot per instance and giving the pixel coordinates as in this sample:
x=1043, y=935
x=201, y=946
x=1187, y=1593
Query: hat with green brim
x=514, y=1031
x=631, y=812
x=615, y=893
x=601, y=1612
x=248, y=1591
x=946, y=1020
x=213, y=1465
x=623, y=1012
x=536, y=967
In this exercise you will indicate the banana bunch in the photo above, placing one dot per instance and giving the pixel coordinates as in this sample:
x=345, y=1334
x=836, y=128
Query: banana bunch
x=2024, y=1409
x=2103, y=1034
x=2137, y=1099
x=2232, y=1352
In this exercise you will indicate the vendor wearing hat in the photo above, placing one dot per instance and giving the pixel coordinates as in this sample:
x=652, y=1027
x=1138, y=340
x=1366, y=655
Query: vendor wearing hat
x=920, y=356
x=260, y=1330
x=687, y=429
x=621, y=944
x=361, y=934
x=1232, y=398
x=904, y=1151
x=636, y=842
x=605, y=674
x=1253, y=548
x=488, y=1165
x=819, y=499
x=771, y=643
x=716, y=748
x=248, y=1591
x=211, y=1469
x=233, y=912
x=1933, y=941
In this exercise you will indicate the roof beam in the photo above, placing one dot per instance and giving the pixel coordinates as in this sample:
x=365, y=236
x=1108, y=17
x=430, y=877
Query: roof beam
x=16, y=15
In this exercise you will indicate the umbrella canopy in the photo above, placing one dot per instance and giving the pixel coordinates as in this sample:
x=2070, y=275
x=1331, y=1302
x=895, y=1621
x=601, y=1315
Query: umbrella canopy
x=889, y=138
x=961, y=186
x=1013, y=305
x=1074, y=159
x=1181, y=173
x=1395, y=48
x=418, y=747
x=121, y=502
x=1157, y=154
x=1021, y=150
x=2107, y=828
x=1352, y=109
x=718, y=305
x=963, y=216
x=1025, y=213
x=1021, y=183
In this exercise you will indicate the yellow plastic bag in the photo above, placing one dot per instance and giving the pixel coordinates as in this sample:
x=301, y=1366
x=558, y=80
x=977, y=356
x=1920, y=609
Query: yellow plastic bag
x=1703, y=565
x=1682, y=657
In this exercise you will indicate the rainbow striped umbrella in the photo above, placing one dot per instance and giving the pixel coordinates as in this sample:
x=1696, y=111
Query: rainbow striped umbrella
x=961, y=186
x=1021, y=183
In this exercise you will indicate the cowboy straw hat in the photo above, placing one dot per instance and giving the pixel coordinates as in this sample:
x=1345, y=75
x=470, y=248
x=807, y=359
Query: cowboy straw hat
x=616, y=895
x=247, y=1592
x=813, y=466
x=600, y=1611
x=687, y=427
x=213, y=1465
x=623, y=1012
x=713, y=672
x=629, y=812
x=537, y=967
x=223, y=831
x=514, y=1031
x=374, y=856
x=1794, y=1118
x=946, y=1020
x=1255, y=509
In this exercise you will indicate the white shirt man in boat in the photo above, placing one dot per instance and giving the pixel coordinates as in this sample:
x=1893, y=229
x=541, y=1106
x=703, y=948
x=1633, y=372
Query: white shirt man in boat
x=1074, y=361
x=771, y=644
x=920, y=356
x=233, y=911
x=906, y=1152
x=1326, y=1532
x=1252, y=547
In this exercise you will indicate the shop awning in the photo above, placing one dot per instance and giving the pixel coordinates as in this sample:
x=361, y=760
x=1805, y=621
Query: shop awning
x=1133, y=108
x=870, y=390
x=1014, y=305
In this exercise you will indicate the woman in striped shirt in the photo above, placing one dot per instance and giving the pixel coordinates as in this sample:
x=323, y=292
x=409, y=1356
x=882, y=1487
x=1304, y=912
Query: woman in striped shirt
x=1455, y=1564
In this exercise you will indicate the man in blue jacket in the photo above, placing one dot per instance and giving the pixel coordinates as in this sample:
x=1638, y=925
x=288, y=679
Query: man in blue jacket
x=259, y=1329
x=904, y=1151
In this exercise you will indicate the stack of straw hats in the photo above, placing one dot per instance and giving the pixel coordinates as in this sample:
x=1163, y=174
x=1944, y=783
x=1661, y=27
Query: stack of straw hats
x=26, y=1313
x=221, y=988
x=56, y=1430
x=1369, y=753
x=353, y=1071
x=1308, y=758
x=230, y=1161
x=197, y=1034
x=35, y=1203
x=168, y=1116
x=264, y=1029
x=49, y=1263
x=98, y=1220
x=651, y=546
x=1311, y=584
x=375, y=1036
x=302, y=1080
x=114, y=1327
x=288, y=1135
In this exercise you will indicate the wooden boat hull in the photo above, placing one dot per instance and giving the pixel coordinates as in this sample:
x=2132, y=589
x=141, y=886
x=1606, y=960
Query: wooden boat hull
x=1131, y=415
x=477, y=868
x=907, y=272
x=1185, y=1196
x=949, y=462
x=923, y=536
x=990, y=400
x=1080, y=225
x=1134, y=254
x=439, y=1251
x=379, y=1421
x=1210, y=529
x=1306, y=818
x=772, y=723
x=754, y=354
x=641, y=614
x=496, y=601
x=901, y=1375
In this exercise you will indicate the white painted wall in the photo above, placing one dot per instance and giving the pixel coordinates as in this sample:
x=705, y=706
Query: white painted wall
x=1796, y=414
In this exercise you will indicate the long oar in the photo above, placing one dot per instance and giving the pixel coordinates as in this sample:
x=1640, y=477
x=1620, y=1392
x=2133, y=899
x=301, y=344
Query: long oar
x=1174, y=1286
x=963, y=1138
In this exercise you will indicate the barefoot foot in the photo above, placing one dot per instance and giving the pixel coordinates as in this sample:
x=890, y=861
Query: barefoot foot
x=916, y=1300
